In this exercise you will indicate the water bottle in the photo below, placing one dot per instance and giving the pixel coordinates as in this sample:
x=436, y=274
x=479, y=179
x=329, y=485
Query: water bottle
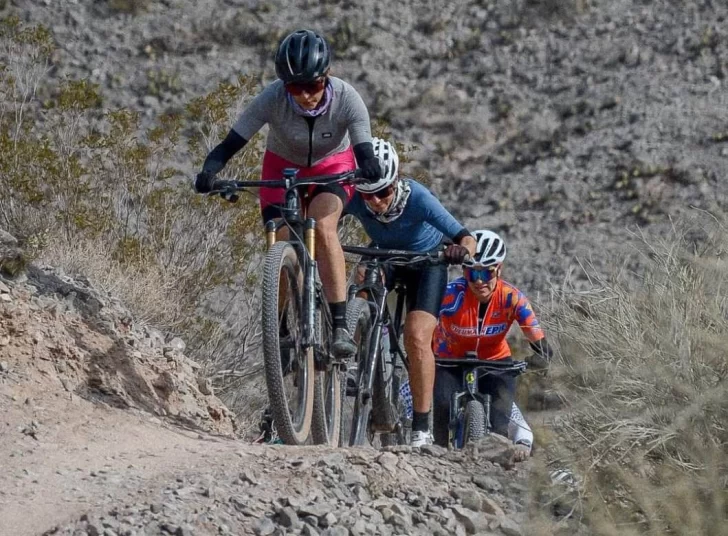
x=406, y=395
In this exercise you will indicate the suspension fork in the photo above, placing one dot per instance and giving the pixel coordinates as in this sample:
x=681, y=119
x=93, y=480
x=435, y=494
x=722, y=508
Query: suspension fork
x=468, y=390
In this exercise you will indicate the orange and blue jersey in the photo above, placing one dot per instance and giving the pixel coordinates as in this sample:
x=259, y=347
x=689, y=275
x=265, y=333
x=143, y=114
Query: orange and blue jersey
x=459, y=332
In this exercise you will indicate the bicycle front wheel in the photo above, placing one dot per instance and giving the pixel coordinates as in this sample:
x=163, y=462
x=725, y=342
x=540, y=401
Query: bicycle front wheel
x=474, y=421
x=289, y=367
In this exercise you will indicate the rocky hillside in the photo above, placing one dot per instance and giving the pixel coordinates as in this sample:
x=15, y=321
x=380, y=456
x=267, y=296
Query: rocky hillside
x=563, y=124
x=60, y=337
x=558, y=123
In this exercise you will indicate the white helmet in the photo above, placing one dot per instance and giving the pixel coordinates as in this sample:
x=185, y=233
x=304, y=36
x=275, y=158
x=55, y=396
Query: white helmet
x=388, y=160
x=490, y=249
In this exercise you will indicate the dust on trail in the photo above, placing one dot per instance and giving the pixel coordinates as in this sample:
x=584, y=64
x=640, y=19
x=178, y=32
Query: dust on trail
x=62, y=456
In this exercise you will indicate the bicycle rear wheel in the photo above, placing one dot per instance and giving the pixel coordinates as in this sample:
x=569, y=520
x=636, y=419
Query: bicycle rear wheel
x=401, y=434
x=289, y=368
x=326, y=425
x=358, y=321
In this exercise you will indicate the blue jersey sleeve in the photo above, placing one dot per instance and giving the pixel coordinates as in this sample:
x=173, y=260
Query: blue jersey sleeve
x=435, y=214
x=355, y=207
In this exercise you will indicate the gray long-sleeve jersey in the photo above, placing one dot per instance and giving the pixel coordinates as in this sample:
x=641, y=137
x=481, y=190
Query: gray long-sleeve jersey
x=304, y=141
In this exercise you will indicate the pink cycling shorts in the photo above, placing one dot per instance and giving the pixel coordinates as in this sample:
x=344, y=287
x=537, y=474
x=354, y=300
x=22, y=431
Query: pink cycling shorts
x=273, y=166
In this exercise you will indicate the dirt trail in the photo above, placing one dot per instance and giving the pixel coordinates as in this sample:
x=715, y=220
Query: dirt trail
x=100, y=470
x=107, y=429
x=81, y=456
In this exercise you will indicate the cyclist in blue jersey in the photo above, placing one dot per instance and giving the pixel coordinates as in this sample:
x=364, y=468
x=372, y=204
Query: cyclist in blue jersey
x=400, y=213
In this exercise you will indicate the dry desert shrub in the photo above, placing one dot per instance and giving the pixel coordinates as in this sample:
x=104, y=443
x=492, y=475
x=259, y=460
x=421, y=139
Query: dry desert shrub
x=644, y=366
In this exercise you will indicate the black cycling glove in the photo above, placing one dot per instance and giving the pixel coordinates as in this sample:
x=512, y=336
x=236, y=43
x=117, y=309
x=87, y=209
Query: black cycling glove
x=204, y=182
x=369, y=164
x=456, y=254
x=542, y=354
x=371, y=169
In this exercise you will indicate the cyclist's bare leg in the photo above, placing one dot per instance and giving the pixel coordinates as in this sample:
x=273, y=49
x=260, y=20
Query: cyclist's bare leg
x=282, y=233
x=326, y=209
x=418, y=329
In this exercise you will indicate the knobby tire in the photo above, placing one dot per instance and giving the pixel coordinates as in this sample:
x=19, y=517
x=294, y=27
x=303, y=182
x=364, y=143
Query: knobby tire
x=282, y=282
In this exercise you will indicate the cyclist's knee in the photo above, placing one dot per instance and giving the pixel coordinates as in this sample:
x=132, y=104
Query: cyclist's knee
x=326, y=209
x=359, y=274
x=418, y=333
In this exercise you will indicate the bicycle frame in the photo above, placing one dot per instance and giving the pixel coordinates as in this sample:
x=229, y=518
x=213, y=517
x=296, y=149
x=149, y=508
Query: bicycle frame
x=374, y=286
x=473, y=370
x=301, y=236
x=377, y=292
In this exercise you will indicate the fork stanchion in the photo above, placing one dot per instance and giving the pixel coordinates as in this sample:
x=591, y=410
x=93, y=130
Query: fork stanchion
x=270, y=233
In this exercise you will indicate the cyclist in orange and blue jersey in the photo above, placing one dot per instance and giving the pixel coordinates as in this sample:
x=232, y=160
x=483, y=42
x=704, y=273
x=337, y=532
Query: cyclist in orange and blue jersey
x=476, y=314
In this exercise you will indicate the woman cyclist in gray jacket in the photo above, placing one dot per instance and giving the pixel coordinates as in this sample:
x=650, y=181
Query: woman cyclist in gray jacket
x=320, y=125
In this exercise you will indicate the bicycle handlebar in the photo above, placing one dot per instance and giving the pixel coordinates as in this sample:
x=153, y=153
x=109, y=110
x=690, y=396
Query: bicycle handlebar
x=514, y=368
x=398, y=256
x=232, y=186
x=385, y=253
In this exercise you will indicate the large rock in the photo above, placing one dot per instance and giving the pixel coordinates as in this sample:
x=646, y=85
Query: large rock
x=12, y=260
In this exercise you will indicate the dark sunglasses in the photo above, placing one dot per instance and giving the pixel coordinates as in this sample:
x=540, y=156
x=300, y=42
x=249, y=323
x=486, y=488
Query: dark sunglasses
x=298, y=88
x=380, y=194
x=481, y=274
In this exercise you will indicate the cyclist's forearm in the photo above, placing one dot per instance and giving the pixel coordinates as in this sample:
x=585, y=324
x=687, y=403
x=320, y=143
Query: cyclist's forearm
x=542, y=348
x=363, y=151
x=223, y=152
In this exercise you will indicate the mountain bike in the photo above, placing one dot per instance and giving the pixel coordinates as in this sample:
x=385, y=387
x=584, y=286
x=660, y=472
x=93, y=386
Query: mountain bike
x=469, y=407
x=301, y=374
x=380, y=363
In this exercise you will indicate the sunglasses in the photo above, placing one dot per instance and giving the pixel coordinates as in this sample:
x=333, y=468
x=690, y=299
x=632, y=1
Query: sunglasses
x=480, y=274
x=298, y=88
x=380, y=194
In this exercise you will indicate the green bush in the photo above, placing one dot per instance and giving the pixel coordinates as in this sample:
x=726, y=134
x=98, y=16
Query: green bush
x=91, y=190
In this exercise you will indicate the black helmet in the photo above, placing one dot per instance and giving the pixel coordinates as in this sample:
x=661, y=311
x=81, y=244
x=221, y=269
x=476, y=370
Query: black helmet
x=302, y=56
